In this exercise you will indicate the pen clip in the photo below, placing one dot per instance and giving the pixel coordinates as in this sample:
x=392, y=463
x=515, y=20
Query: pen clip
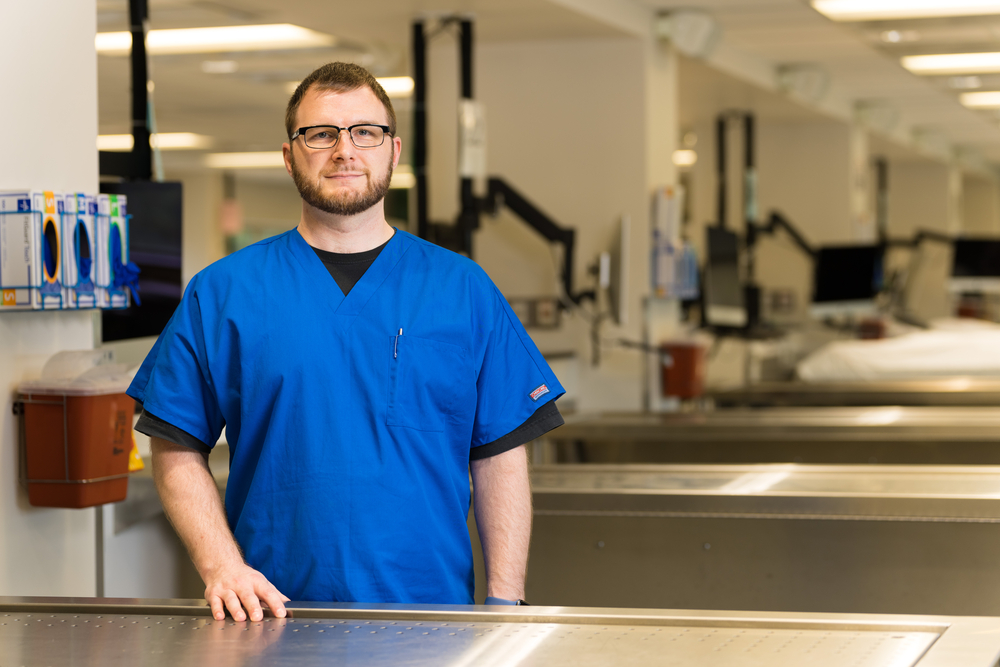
x=395, y=342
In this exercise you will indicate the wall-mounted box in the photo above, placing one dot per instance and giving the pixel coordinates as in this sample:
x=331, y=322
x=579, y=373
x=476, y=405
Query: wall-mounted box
x=111, y=251
x=31, y=255
x=79, y=267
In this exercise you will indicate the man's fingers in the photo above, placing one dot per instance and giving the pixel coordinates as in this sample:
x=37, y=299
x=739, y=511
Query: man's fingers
x=252, y=604
x=273, y=598
x=233, y=604
x=215, y=602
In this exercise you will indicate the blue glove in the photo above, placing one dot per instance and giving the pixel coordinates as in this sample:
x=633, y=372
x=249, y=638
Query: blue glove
x=500, y=601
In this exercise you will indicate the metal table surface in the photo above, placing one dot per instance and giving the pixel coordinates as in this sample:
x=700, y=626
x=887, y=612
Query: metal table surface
x=956, y=391
x=887, y=434
x=54, y=631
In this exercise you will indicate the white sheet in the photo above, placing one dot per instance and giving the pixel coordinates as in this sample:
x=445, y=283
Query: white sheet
x=951, y=348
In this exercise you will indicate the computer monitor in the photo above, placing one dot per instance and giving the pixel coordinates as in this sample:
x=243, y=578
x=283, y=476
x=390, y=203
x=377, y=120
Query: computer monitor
x=613, y=271
x=975, y=266
x=846, y=280
x=723, y=296
x=155, y=246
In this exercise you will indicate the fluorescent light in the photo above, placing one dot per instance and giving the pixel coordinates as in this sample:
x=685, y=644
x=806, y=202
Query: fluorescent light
x=402, y=177
x=877, y=10
x=397, y=86
x=258, y=160
x=394, y=86
x=953, y=63
x=981, y=100
x=685, y=157
x=167, y=141
x=273, y=37
x=219, y=66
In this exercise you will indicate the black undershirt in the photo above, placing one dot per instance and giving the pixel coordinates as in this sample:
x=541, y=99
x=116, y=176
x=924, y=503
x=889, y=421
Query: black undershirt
x=347, y=269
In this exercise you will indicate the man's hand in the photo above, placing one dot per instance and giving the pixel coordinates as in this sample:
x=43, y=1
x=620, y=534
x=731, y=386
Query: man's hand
x=192, y=503
x=242, y=587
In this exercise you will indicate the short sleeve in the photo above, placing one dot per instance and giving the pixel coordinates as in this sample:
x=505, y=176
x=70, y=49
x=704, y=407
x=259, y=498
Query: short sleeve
x=514, y=380
x=174, y=382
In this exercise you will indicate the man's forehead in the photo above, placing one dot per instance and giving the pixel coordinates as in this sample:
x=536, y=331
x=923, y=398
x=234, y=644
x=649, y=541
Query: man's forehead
x=360, y=105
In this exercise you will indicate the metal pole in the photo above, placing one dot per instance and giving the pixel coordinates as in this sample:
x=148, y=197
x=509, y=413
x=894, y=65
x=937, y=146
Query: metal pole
x=882, y=199
x=420, y=126
x=469, y=216
x=720, y=148
x=142, y=155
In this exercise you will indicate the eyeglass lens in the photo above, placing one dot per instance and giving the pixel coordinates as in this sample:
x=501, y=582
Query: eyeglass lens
x=363, y=136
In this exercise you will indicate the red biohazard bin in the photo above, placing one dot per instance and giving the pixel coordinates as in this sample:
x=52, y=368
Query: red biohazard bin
x=683, y=376
x=75, y=440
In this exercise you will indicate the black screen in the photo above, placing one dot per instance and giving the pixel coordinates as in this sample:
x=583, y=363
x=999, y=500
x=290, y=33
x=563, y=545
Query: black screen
x=722, y=274
x=155, y=246
x=976, y=258
x=848, y=273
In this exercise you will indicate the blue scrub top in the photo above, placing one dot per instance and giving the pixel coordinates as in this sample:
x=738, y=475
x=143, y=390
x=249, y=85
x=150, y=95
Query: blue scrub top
x=349, y=442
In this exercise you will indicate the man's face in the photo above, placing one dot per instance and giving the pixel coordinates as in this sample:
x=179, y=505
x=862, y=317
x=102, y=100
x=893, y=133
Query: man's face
x=343, y=180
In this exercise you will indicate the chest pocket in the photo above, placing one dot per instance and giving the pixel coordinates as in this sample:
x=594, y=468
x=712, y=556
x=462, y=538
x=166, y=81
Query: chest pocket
x=431, y=384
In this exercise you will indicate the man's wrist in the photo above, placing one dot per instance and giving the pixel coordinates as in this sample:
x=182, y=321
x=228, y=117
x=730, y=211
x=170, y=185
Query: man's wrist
x=491, y=600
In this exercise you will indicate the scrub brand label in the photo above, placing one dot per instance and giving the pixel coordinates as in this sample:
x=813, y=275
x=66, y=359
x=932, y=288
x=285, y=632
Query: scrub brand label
x=538, y=393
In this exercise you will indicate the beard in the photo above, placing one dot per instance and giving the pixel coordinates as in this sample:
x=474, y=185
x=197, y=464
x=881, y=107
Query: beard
x=344, y=203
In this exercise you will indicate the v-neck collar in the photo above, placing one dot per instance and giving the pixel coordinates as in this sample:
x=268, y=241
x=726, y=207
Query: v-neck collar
x=346, y=308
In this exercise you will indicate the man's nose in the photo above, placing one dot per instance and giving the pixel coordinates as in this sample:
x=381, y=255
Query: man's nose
x=344, y=148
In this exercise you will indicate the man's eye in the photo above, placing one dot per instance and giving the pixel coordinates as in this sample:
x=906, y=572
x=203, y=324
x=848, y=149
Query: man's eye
x=362, y=132
x=321, y=135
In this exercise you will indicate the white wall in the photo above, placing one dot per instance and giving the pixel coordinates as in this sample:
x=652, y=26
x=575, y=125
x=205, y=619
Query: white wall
x=980, y=206
x=50, y=73
x=568, y=127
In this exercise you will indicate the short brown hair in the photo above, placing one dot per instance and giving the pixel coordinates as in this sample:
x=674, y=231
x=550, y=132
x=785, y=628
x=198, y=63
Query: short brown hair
x=341, y=78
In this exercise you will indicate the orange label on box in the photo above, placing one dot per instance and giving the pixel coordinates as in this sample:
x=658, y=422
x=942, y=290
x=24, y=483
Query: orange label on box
x=9, y=297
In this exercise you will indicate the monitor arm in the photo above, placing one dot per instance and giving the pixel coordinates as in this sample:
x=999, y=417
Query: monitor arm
x=500, y=193
x=774, y=221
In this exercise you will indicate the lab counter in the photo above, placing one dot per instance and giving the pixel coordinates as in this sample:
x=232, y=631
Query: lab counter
x=891, y=434
x=957, y=391
x=887, y=539
x=60, y=631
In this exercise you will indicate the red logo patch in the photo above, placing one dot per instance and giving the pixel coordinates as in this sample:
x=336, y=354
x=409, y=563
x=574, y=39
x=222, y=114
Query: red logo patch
x=541, y=391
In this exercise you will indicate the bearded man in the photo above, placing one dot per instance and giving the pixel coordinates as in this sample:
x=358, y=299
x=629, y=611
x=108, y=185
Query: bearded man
x=361, y=373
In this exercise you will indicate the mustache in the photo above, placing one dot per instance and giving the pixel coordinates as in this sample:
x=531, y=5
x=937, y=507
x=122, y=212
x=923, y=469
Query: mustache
x=331, y=172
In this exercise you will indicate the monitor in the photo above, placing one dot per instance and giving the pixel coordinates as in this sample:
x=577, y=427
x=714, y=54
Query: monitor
x=846, y=280
x=613, y=271
x=975, y=266
x=155, y=246
x=723, y=294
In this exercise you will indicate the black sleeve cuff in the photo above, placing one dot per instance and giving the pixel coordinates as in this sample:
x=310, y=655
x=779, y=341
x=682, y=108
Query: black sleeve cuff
x=155, y=427
x=544, y=419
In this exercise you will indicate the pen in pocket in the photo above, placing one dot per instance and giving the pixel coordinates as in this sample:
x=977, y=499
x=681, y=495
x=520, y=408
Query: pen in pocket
x=395, y=342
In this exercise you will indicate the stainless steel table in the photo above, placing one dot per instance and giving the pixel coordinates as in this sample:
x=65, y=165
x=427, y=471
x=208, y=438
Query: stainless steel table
x=957, y=391
x=109, y=633
x=887, y=539
x=953, y=435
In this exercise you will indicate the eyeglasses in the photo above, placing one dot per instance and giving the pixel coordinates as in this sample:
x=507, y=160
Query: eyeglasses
x=327, y=136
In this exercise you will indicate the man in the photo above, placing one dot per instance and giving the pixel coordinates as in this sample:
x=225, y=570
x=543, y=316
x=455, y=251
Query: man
x=360, y=373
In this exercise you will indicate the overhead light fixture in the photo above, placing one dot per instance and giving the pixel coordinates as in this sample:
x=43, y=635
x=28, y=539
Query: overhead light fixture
x=685, y=157
x=254, y=160
x=397, y=86
x=693, y=32
x=878, y=10
x=981, y=100
x=899, y=36
x=394, y=86
x=168, y=141
x=403, y=178
x=805, y=81
x=965, y=82
x=219, y=66
x=953, y=63
x=274, y=37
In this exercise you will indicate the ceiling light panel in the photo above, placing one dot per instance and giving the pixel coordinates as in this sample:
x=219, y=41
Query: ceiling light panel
x=879, y=10
x=273, y=37
x=953, y=63
x=168, y=141
x=981, y=100
x=255, y=160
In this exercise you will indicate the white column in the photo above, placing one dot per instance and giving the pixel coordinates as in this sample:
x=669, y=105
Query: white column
x=48, y=139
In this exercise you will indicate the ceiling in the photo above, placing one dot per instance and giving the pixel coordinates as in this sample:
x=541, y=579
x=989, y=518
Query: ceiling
x=243, y=110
